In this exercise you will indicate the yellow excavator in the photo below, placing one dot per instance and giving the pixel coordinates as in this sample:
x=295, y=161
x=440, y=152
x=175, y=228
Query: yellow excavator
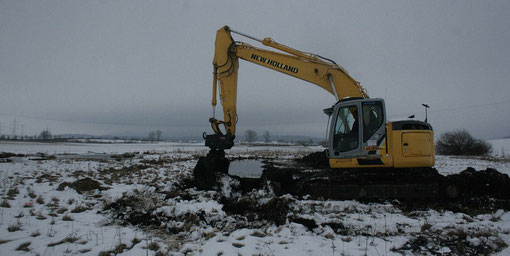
x=358, y=134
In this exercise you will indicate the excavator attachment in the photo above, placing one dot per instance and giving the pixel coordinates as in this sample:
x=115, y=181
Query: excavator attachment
x=219, y=141
x=215, y=162
x=207, y=167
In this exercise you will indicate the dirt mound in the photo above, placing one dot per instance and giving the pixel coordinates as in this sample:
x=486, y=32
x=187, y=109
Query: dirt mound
x=473, y=183
x=316, y=159
x=275, y=210
x=83, y=185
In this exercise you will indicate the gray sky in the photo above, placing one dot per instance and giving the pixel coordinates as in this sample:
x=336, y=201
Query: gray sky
x=128, y=67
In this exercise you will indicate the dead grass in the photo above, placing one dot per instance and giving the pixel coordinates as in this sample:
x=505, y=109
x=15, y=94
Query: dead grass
x=13, y=192
x=117, y=250
x=14, y=227
x=79, y=208
x=5, y=204
x=32, y=195
x=135, y=241
x=208, y=236
x=62, y=210
x=53, y=203
x=257, y=233
x=67, y=218
x=40, y=216
x=238, y=245
x=4, y=241
x=69, y=239
x=40, y=200
x=153, y=246
x=24, y=247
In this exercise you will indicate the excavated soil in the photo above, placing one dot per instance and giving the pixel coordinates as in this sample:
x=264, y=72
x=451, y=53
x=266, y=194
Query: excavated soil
x=83, y=185
x=469, y=191
x=274, y=211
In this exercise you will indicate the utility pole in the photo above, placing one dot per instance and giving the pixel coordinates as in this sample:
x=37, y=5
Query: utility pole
x=14, y=129
x=21, y=131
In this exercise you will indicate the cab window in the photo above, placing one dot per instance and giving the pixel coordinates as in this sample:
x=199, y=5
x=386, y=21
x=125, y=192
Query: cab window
x=373, y=118
x=346, y=136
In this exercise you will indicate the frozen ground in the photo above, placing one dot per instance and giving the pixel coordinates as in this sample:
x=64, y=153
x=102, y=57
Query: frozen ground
x=143, y=204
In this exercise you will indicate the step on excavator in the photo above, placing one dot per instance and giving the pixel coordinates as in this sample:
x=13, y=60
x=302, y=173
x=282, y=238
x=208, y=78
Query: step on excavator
x=359, y=136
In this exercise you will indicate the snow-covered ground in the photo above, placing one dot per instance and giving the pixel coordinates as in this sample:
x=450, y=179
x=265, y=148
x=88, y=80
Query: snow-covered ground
x=500, y=148
x=40, y=215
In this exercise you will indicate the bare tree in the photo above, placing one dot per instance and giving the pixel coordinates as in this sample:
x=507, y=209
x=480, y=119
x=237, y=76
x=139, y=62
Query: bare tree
x=250, y=135
x=152, y=136
x=45, y=135
x=158, y=135
x=267, y=136
x=460, y=142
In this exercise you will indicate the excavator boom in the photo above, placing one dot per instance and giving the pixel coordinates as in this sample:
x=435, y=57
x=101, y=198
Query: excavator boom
x=325, y=74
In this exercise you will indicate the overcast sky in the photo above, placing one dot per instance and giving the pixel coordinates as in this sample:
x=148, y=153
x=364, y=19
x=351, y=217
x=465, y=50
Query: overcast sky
x=129, y=67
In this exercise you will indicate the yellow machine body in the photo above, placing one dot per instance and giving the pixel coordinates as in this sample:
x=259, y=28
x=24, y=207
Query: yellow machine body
x=392, y=144
x=400, y=149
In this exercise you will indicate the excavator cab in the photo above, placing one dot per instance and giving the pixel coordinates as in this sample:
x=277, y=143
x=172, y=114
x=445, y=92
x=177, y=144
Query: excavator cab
x=357, y=128
x=359, y=136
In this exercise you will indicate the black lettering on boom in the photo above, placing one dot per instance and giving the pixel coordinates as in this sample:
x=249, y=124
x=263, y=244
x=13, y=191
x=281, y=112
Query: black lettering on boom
x=274, y=63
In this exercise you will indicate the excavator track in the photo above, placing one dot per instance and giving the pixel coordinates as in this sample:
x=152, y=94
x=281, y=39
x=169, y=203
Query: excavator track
x=399, y=183
x=311, y=176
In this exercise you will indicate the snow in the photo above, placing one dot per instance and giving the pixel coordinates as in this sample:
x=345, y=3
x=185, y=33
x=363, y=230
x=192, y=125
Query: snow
x=500, y=148
x=453, y=164
x=367, y=228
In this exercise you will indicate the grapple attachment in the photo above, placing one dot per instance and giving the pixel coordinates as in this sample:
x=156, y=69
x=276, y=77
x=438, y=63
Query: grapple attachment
x=215, y=162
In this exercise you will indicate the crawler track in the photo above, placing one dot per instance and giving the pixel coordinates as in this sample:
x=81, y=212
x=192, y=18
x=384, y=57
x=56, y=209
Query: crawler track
x=312, y=176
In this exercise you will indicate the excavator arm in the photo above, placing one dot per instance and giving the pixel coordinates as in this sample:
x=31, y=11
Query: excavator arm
x=309, y=67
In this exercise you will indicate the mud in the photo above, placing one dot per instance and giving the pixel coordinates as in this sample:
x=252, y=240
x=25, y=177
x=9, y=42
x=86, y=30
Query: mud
x=274, y=211
x=316, y=159
x=410, y=189
x=83, y=185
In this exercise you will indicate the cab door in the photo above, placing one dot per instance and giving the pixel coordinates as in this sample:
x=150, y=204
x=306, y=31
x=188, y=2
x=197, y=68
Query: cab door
x=356, y=124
